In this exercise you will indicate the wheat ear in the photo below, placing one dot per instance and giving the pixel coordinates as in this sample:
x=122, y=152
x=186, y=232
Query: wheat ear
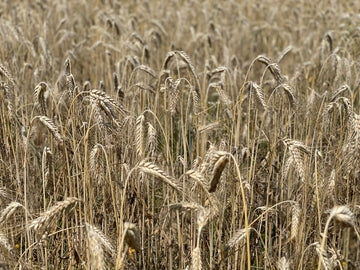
x=104, y=241
x=97, y=114
x=39, y=94
x=343, y=215
x=289, y=93
x=47, y=122
x=152, y=169
x=331, y=187
x=283, y=264
x=218, y=169
x=146, y=69
x=196, y=259
x=327, y=263
x=257, y=91
x=8, y=211
x=195, y=90
x=340, y=91
x=202, y=219
x=3, y=192
x=172, y=88
x=70, y=83
x=296, y=149
x=273, y=67
x=284, y=53
x=101, y=96
x=46, y=164
x=96, y=165
x=295, y=221
x=237, y=238
x=209, y=127
x=5, y=244
x=118, y=89
x=140, y=135
x=132, y=236
x=8, y=89
x=199, y=178
x=96, y=252
x=186, y=206
x=152, y=138
x=46, y=219
x=8, y=95
x=10, y=78
x=67, y=67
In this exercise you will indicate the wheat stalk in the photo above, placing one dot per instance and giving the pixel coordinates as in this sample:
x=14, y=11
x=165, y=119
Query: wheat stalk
x=217, y=70
x=224, y=98
x=202, y=218
x=343, y=214
x=106, y=108
x=8, y=95
x=187, y=60
x=215, y=156
x=86, y=86
x=102, y=86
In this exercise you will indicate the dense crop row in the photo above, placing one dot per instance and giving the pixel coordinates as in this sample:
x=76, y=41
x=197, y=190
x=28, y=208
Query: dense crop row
x=179, y=135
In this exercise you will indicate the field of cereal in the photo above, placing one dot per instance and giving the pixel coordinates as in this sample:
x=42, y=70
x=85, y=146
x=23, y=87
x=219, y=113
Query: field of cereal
x=144, y=134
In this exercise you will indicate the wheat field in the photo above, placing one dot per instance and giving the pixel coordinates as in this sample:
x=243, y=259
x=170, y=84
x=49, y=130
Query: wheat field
x=144, y=134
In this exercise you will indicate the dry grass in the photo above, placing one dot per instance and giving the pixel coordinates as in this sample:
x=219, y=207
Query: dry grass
x=191, y=135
